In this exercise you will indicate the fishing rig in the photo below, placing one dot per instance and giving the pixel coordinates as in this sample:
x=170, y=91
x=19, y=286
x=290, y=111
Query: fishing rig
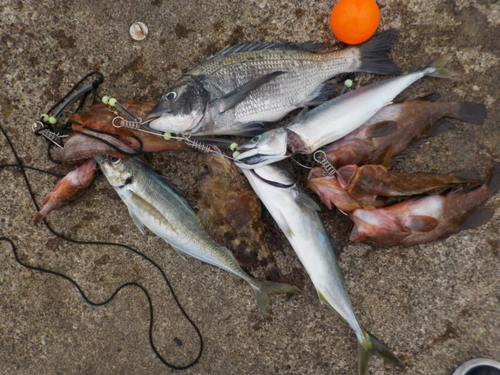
x=45, y=128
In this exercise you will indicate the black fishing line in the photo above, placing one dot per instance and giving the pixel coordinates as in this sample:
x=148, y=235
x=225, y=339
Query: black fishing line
x=151, y=320
x=33, y=169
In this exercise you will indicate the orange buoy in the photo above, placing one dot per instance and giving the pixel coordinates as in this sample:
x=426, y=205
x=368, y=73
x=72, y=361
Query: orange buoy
x=355, y=21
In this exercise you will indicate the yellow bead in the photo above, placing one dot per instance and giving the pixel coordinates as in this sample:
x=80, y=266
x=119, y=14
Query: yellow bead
x=105, y=99
x=45, y=117
x=236, y=154
x=112, y=102
x=52, y=120
x=348, y=83
x=233, y=146
x=167, y=136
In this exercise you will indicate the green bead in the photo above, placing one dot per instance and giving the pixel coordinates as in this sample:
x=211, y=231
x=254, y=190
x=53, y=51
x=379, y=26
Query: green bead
x=348, y=82
x=167, y=136
x=233, y=146
x=105, y=99
x=236, y=154
x=112, y=102
x=45, y=117
x=52, y=120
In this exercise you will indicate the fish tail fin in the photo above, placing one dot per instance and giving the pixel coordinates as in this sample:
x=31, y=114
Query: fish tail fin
x=371, y=345
x=472, y=113
x=492, y=183
x=373, y=54
x=466, y=176
x=436, y=68
x=263, y=289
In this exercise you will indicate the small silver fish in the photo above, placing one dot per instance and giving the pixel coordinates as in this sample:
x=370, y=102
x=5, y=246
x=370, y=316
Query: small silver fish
x=156, y=204
x=297, y=216
x=245, y=85
x=330, y=121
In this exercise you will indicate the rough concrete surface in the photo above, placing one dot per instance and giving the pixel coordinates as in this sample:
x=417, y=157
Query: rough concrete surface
x=435, y=305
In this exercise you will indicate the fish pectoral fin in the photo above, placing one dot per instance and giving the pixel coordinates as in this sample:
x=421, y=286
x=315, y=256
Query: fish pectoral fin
x=239, y=94
x=382, y=129
x=180, y=252
x=434, y=97
x=138, y=222
x=307, y=201
x=150, y=210
x=479, y=217
x=284, y=226
x=421, y=223
x=388, y=155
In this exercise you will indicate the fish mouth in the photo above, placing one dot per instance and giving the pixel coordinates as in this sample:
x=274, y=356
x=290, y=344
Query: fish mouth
x=100, y=158
x=160, y=109
x=316, y=173
x=252, y=159
x=155, y=115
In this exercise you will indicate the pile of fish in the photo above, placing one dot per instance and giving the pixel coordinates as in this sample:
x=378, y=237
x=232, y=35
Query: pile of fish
x=239, y=91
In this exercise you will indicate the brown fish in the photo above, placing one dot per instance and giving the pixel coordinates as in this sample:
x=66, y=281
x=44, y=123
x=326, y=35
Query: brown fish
x=399, y=126
x=330, y=191
x=100, y=117
x=422, y=220
x=69, y=188
x=230, y=212
x=365, y=184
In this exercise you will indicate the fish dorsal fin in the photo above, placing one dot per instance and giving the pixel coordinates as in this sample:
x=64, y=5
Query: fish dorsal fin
x=388, y=155
x=144, y=205
x=479, y=217
x=233, y=98
x=180, y=252
x=138, y=223
x=257, y=46
x=434, y=97
x=307, y=201
x=382, y=129
x=421, y=223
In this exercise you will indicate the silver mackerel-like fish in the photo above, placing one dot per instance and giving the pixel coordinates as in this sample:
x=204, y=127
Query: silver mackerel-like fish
x=158, y=205
x=236, y=90
x=296, y=215
x=330, y=121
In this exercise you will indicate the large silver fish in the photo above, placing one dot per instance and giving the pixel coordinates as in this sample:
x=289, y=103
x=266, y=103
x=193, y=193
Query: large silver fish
x=330, y=121
x=236, y=90
x=156, y=204
x=296, y=215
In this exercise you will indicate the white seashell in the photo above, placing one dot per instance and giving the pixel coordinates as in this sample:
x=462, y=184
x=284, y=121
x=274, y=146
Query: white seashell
x=138, y=31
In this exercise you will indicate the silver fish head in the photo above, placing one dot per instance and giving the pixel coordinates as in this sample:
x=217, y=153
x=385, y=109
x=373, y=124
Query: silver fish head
x=180, y=109
x=267, y=148
x=119, y=172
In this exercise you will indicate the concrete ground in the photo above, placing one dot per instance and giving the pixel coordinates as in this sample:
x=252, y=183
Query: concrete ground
x=435, y=305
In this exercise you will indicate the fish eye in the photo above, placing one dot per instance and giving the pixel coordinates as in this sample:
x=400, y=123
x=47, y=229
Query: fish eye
x=256, y=139
x=128, y=180
x=170, y=96
x=115, y=161
x=205, y=168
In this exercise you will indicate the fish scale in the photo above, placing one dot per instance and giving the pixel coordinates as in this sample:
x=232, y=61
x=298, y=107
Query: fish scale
x=244, y=85
x=154, y=203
